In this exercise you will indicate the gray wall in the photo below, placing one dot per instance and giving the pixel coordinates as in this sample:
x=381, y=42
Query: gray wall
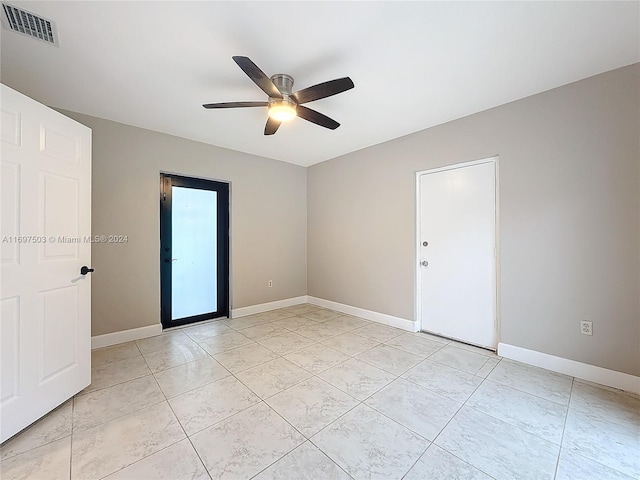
x=570, y=217
x=268, y=221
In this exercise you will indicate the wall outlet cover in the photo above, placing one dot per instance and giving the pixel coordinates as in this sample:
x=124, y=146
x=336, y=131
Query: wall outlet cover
x=586, y=328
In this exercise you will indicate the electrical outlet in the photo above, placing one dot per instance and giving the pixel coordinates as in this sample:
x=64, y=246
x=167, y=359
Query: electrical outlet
x=586, y=328
x=270, y=283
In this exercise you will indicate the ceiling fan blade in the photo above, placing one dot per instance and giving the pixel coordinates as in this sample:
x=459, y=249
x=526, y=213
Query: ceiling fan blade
x=271, y=127
x=258, y=76
x=317, y=118
x=323, y=90
x=235, y=104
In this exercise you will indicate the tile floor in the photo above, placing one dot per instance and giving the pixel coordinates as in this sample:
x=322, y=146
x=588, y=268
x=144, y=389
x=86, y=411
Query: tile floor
x=305, y=392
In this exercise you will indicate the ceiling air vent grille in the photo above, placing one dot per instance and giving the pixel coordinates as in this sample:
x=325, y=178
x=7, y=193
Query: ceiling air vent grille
x=27, y=23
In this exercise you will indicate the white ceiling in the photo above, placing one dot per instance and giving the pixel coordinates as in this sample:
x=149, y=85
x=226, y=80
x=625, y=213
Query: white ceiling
x=414, y=64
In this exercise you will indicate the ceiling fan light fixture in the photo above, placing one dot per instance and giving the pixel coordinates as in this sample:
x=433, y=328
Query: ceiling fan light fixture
x=282, y=110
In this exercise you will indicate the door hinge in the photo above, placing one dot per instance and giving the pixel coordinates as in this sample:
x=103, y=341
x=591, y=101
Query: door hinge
x=164, y=196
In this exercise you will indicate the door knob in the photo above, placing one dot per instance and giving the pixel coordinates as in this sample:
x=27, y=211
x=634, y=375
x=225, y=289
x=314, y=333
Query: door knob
x=84, y=270
x=424, y=263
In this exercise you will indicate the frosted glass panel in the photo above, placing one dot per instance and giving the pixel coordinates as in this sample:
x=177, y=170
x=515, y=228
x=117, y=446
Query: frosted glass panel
x=194, y=256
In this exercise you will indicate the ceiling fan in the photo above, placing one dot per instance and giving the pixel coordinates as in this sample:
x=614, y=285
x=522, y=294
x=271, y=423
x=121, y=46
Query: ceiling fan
x=283, y=105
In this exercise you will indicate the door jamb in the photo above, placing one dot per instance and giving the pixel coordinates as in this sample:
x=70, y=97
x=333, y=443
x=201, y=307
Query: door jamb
x=418, y=282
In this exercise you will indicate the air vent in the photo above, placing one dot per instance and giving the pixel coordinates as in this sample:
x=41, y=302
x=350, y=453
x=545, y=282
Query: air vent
x=27, y=23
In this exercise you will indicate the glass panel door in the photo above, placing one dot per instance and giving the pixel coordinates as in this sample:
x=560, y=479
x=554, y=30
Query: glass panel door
x=194, y=224
x=193, y=267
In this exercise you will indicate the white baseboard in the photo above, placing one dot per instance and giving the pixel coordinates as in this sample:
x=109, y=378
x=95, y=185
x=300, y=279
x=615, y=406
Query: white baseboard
x=265, y=307
x=383, y=318
x=114, y=338
x=592, y=373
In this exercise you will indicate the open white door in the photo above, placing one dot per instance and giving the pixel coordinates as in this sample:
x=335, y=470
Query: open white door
x=45, y=322
x=457, y=252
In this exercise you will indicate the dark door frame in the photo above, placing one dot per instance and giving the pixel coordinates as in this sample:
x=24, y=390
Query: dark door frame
x=168, y=180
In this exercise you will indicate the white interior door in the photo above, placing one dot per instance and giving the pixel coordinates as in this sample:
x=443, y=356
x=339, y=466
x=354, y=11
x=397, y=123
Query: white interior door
x=457, y=252
x=45, y=327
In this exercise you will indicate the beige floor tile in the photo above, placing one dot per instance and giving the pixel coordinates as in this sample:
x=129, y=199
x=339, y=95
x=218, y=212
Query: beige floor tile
x=317, y=358
x=378, y=332
x=207, y=330
x=192, y=375
x=257, y=421
x=163, y=342
x=358, y=379
x=573, y=466
x=114, y=353
x=467, y=361
x=301, y=308
x=497, y=448
x=177, y=462
x=532, y=414
x=205, y=406
x=172, y=357
x=55, y=425
x=437, y=464
x=348, y=323
x=350, y=344
x=446, y=381
x=286, y=343
x=366, y=444
x=321, y=314
x=109, y=374
x=322, y=331
x=265, y=330
x=614, y=445
x=273, y=315
x=415, y=407
x=224, y=342
x=415, y=343
x=488, y=367
x=612, y=405
x=245, y=444
x=294, y=323
x=306, y=462
x=272, y=377
x=311, y=405
x=390, y=359
x=245, y=322
x=109, y=403
x=536, y=381
x=107, y=448
x=242, y=358
x=50, y=462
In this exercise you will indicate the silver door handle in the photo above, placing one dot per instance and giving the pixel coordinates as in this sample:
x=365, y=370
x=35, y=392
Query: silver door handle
x=424, y=263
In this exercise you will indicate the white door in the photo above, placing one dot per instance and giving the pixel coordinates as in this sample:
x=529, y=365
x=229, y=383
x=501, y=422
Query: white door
x=457, y=252
x=45, y=323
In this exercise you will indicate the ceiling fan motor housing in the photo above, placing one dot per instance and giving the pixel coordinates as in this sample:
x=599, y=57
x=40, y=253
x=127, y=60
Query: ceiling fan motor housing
x=284, y=84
